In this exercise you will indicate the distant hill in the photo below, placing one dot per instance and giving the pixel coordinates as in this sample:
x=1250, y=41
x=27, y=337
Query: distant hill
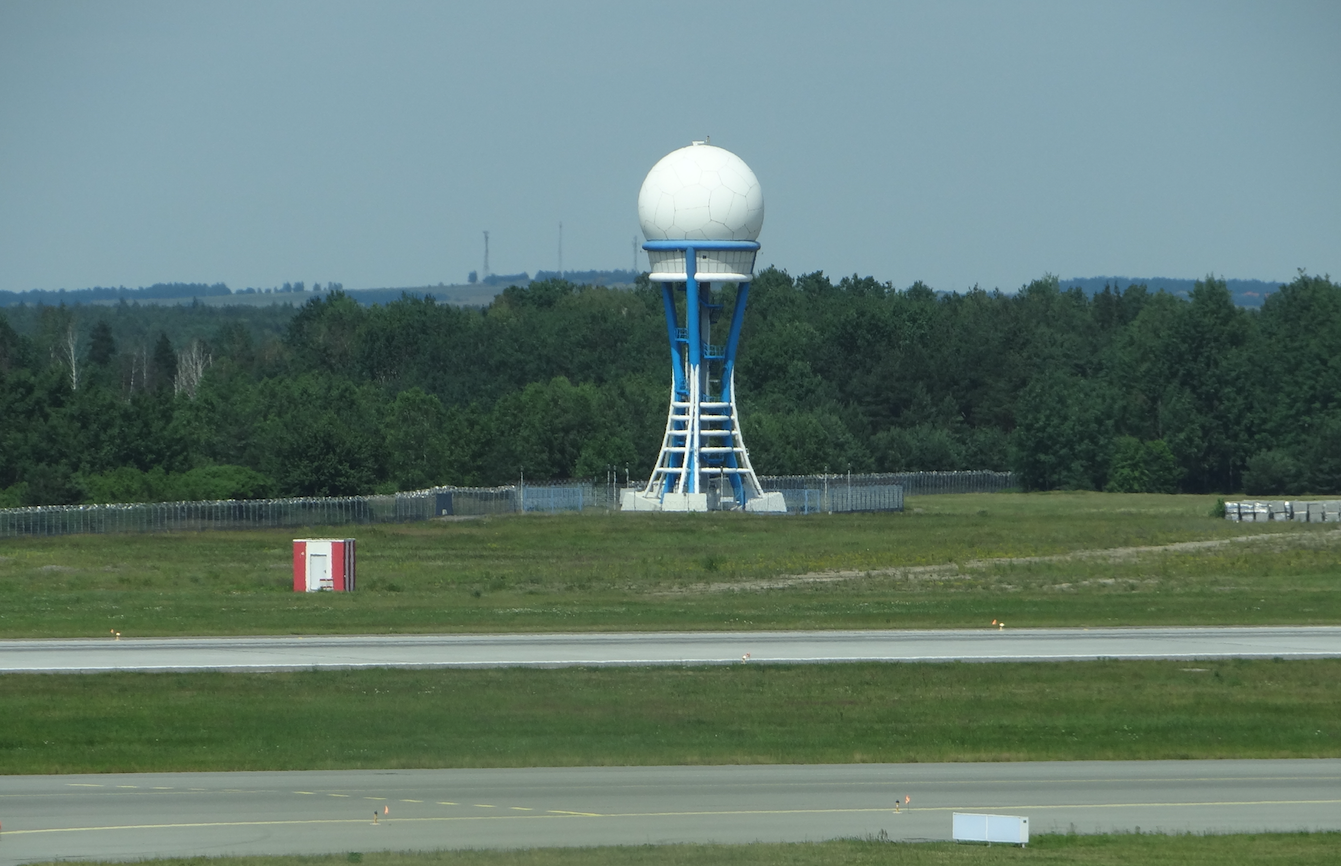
x=591, y=278
x=479, y=293
x=156, y=292
x=506, y=279
x=1246, y=293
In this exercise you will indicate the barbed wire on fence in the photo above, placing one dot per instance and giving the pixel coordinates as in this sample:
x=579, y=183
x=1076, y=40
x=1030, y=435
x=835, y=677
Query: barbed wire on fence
x=913, y=483
x=804, y=494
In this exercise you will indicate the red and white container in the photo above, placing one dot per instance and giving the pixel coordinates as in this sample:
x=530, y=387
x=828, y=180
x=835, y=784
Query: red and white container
x=323, y=564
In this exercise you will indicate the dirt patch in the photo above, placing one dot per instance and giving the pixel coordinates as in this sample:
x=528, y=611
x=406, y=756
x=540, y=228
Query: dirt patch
x=1275, y=540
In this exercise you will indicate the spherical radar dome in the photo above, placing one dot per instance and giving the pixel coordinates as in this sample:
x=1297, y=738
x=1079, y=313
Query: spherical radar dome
x=701, y=192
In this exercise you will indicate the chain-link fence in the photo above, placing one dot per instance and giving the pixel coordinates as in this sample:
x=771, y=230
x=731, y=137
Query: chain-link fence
x=968, y=481
x=252, y=513
x=815, y=494
x=804, y=494
x=809, y=494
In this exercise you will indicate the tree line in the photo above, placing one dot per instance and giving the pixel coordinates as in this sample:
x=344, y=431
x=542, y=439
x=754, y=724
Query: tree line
x=1124, y=389
x=109, y=293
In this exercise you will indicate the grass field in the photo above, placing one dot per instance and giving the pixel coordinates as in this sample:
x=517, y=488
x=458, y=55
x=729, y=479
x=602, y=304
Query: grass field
x=950, y=561
x=804, y=714
x=1265, y=849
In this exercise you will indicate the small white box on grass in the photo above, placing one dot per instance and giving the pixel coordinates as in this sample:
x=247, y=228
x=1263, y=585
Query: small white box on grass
x=1008, y=829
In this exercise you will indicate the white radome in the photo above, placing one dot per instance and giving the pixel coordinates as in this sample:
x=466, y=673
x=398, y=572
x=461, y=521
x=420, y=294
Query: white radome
x=701, y=192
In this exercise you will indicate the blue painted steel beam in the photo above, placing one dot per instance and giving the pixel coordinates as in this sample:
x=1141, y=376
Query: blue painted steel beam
x=737, y=321
x=680, y=389
x=672, y=328
x=728, y=368
x=691, y=307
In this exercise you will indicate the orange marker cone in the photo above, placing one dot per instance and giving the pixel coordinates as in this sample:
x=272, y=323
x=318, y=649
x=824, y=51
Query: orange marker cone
x=386, y=810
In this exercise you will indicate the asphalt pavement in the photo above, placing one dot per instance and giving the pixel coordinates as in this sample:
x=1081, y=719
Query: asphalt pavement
x=659, y=648
x=188, y=814
x=180, y=814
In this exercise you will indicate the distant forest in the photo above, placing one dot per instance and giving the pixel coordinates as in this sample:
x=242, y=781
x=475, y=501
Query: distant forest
x=1124, y=389
x=1246, y=293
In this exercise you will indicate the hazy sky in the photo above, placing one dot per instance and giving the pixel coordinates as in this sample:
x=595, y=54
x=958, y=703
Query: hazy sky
x=956, y=143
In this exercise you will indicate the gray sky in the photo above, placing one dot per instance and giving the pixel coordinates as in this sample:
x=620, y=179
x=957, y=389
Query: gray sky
x=956, y=143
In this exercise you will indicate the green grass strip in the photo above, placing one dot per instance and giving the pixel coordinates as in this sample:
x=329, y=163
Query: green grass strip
x=741, y=714
x=1264, y=849
x=1063, y=559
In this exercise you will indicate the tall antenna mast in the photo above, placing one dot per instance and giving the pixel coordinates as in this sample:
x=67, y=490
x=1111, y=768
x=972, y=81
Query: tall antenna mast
x=635, y=255
x=486, y=254
x=561, y=250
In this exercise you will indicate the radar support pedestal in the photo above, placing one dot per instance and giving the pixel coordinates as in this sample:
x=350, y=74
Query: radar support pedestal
x=703, y=463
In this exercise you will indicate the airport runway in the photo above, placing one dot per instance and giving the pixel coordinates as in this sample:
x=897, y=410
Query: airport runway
x=186, y=814
x=694, y=648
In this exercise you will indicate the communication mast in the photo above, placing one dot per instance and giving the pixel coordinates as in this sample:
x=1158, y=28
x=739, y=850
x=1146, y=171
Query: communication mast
x=486, y=253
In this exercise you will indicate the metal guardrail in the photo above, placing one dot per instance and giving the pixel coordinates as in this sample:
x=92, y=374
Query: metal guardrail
x=804, y=494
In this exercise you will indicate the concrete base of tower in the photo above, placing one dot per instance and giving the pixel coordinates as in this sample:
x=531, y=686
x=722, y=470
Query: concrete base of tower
x=634, y=500
x=637, y=500
x=768, y=503
x=684, y=502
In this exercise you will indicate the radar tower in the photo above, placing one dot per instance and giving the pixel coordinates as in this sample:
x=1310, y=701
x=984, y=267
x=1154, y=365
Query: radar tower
x=701, y=210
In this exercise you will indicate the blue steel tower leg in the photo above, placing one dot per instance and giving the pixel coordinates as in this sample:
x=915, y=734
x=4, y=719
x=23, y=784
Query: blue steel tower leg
x=729, y=381
x=702, y=445
x=693, y=322
x=676, y=431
